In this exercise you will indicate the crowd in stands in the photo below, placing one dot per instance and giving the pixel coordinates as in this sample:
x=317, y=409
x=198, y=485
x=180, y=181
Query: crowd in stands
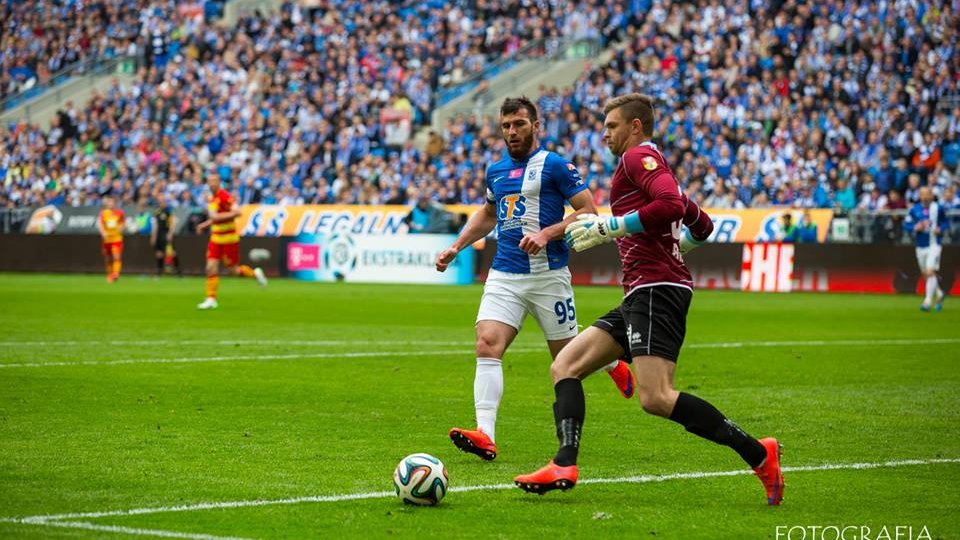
x=840, y=104
x=843, y=104
x=41, y=38
x=288, y=108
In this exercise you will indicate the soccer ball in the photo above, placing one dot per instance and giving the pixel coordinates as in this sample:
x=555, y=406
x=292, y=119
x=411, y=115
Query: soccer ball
x=420, y=479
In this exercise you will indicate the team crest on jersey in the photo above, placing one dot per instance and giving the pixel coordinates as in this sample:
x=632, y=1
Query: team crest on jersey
x=516, y=173
x=649, y=163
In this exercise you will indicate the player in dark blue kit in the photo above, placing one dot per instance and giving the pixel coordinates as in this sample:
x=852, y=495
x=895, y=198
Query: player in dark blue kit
x=525, y=199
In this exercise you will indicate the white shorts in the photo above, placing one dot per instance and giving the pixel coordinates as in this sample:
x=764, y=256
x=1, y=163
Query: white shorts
x=929, y=258
x=548, y=296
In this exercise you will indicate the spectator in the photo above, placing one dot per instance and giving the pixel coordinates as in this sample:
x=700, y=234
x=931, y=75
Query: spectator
x=789, y=232
x=873, y=201
x=422, y=217
x=807, y=231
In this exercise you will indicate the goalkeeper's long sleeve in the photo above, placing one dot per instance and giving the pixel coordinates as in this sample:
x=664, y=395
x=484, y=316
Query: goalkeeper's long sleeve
x=697, y=221
x=667, y=205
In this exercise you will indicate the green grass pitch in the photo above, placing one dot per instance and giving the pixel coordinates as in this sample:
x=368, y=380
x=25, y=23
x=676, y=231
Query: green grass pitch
x=125, y=396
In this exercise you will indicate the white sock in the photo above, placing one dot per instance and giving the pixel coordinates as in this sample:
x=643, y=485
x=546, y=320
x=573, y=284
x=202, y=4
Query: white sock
x=487, y=391
x=612, y=365
x=930, y=290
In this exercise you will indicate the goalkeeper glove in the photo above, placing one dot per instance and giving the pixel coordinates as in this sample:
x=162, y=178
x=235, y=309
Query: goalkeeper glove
x=591, y=230
x=688, y=243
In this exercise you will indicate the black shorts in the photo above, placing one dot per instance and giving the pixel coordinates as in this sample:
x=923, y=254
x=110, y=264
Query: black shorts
x=160, y=244
x=652, y=321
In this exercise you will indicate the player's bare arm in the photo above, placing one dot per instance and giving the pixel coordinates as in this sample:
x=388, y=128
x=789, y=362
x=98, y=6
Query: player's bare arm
x=222, y=217
x=478, y=226
x=582, y=203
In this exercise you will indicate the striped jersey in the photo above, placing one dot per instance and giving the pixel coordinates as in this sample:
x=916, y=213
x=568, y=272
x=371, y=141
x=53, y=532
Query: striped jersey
x=226, y=232
x=529, y=196
x=926, y=219
x=112, y=222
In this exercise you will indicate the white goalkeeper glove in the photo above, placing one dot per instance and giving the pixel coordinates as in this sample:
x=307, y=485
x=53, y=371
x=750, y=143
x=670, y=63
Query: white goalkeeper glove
x=688, y=243
x=591, y=230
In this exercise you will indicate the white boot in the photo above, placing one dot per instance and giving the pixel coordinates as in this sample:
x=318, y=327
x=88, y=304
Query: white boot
x=261, y=278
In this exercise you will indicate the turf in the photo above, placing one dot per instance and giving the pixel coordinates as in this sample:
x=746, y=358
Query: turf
x=125, y=396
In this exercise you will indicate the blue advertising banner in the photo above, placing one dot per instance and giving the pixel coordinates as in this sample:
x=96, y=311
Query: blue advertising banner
x=372, y=258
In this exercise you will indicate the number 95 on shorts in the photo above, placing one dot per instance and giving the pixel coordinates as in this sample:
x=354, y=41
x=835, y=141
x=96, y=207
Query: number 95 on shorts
x=548, y=296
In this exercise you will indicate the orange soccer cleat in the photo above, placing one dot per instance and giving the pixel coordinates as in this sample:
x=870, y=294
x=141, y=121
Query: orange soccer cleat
x=475, y=441
x=548, y=478
x=769, y=471
x=622, y=376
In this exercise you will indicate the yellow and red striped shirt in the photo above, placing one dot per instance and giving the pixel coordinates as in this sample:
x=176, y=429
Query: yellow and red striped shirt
x=225, y=232
x=112, y=223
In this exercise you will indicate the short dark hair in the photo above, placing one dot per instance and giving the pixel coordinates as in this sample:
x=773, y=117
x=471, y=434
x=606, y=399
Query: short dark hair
x=634, y=106
x=512, y=105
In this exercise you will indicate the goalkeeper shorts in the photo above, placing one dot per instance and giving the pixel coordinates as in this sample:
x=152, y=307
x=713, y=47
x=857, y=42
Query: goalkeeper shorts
x=651, y=321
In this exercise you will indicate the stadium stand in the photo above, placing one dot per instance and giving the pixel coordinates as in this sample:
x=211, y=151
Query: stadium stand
x=249, y=102
x=42, y=40
x=833, y=105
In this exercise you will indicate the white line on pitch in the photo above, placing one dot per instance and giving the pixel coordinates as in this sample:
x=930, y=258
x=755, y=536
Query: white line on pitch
x=173, y=342
x=134, y=531
x=368, y=342
x=300, y=356
x=824, y=343
x=251, y=357
x=641, y=479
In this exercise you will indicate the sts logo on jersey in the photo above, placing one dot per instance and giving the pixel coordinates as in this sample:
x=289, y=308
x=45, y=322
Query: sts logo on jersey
x=509, y=211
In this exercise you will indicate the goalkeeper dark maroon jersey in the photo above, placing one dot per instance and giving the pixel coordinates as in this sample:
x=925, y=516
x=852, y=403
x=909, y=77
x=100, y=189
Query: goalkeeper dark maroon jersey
x=643, y=182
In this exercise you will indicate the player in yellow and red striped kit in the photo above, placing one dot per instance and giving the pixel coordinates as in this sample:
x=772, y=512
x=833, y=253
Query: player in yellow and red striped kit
x=110, y=224
x=224, y=242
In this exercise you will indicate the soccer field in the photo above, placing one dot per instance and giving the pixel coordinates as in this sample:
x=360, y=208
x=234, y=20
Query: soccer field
x=126, y=411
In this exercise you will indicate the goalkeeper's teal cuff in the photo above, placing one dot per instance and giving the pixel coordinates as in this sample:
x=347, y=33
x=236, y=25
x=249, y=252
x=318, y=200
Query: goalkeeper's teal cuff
x=688, y=242
x=632, y=223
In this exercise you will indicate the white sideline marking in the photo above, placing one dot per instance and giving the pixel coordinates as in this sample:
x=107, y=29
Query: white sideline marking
x=232, y=342
x=518, y=348
x=135, y=532
x=823, y=343
x=640, y=479
x=257, y=357
x=708, y=345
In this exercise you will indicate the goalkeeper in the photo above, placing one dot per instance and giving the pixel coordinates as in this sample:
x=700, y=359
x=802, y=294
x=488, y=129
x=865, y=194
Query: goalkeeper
x=649, y=211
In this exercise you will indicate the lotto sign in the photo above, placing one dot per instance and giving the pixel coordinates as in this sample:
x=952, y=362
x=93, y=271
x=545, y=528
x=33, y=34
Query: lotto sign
x=767, y=268
x=303, y=257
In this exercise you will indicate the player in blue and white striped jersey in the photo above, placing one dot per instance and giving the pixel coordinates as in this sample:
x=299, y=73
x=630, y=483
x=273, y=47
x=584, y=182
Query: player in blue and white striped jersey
x=526, y=194
x=928, y=221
